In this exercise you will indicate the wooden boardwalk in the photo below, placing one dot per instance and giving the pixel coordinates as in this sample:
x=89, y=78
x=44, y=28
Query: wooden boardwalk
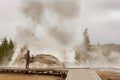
x=52, y=72
x=82, y=74
x=67, y=74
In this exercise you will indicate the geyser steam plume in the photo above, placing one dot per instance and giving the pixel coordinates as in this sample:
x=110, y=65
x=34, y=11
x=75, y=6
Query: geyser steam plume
x=51, y=27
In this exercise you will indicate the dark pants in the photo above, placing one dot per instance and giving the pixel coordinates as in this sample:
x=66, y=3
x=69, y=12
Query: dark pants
x=27, y=64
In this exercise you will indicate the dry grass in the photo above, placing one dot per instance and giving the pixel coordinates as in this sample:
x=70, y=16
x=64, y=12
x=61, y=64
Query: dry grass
x=109, y=75
x=28, y=77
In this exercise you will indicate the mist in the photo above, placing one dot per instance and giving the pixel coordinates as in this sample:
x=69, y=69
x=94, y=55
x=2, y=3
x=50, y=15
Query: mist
x=53, y=27
x=50, y=27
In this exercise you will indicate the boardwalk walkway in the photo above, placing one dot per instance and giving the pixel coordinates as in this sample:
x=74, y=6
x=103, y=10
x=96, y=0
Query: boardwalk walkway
x=67, y=74
x=82, y=74
x=50, y=72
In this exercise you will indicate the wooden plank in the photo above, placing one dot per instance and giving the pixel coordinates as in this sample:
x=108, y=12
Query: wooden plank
x=34, y=71
x=81, y=74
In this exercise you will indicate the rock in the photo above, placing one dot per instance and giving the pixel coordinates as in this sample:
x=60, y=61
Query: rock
x=42, y=61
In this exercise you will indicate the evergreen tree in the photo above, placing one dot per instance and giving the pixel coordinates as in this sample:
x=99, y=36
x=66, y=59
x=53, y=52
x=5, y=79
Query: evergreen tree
x=6, y=50
x=11, y=44
x=4, y=46
x=86, y=42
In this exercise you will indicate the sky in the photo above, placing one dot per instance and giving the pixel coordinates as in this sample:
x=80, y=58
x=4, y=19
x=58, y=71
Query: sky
x=101, y=17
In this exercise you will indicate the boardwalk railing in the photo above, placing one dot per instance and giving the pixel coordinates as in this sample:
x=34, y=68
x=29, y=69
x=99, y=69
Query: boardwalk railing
x=54, y=72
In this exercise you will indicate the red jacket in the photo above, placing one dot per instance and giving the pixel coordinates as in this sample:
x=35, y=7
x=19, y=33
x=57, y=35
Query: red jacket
x=28, y=55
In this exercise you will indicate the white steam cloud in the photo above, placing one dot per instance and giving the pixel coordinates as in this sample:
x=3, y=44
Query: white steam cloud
x=50, y=27
x=53, y=27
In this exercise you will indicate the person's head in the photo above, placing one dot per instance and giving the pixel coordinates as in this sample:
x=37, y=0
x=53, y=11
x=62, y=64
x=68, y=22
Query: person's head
x=28, y=51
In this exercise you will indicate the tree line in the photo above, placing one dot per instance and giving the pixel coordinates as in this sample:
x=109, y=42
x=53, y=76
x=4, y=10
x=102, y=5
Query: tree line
x=6, y=50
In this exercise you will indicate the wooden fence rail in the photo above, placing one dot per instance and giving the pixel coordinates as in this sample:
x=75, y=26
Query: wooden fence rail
x=54, y=72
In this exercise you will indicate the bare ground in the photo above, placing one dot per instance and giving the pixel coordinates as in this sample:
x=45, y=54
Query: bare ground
x=109, y=75
x=28, y=77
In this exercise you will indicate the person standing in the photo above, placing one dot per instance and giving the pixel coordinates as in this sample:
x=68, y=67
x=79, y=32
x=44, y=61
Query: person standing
x=27, y=58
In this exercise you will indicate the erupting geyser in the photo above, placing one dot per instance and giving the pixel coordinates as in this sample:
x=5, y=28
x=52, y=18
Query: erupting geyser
x=50, y=27
x=53, y=27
